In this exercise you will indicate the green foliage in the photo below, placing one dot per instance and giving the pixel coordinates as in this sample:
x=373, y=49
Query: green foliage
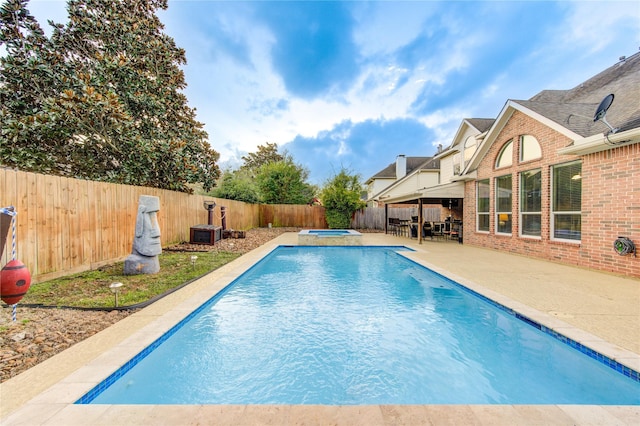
x=284, y=182
x=101, y=99
x=237, y=185
x=341, y=199
x=266, y=154
x=266, y=177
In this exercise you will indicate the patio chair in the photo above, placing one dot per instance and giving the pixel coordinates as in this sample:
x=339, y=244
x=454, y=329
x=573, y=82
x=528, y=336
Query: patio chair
x=446, y=229
x=427, y=230
x=438, y=230
x=403, y=227
x=393, y=225
x=455, y=231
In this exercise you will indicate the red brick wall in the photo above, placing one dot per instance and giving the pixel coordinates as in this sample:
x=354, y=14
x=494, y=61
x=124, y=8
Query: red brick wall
x=610, y=201
x=611, y=207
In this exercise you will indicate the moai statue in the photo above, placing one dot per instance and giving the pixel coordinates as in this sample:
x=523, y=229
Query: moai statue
x=146, y=243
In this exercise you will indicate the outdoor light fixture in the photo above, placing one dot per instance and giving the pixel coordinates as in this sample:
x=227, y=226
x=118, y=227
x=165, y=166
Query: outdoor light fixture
x=193, y=261
x=115, y=288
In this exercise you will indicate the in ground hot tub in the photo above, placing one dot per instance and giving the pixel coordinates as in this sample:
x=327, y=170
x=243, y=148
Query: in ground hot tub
x=329, y=237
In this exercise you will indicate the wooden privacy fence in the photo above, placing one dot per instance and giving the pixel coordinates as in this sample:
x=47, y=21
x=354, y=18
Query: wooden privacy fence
x=68, y=225
x=287, y=215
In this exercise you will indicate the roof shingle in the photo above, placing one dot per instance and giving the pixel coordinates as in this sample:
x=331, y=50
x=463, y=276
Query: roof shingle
x=574, y=109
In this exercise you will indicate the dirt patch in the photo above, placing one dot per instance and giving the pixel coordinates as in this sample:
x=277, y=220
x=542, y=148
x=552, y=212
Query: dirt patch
x=40, y=333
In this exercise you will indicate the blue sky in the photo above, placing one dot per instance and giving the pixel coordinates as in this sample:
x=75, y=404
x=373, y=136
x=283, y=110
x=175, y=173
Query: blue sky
x=354, y=84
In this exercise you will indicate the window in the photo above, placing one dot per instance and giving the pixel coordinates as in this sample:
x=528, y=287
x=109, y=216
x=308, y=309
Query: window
x=469, y=149
x=566, y=223
x=529, y=148
x=456, y=164
x=482, y=205
x=530, y=203
x=505, y=158
x=503, y=204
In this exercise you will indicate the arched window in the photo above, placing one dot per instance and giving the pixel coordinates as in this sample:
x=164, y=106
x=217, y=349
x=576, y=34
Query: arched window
x=505, y=158
x=529, y=148
x=469, y=149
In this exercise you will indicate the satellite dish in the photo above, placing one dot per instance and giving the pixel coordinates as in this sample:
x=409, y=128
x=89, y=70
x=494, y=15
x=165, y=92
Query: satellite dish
x=602, y=109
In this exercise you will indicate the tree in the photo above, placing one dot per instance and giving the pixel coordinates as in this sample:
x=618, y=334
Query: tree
x=284, y=182
x=341, y=199
x=266, y=154
x=113, y=107
x=31, y=75
x=237, y=185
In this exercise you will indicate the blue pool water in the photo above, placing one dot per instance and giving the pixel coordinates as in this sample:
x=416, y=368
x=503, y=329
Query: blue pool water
x=328, y=232
x=358, y=325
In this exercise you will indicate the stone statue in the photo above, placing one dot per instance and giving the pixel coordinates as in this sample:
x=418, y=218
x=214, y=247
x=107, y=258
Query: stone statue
x=146, y=243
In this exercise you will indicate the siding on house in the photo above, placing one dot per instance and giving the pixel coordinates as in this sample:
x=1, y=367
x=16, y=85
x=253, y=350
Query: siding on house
x=446, y=168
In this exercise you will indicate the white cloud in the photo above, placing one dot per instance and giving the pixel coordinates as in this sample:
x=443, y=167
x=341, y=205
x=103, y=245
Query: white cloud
x=410, y=52
x=594, y=26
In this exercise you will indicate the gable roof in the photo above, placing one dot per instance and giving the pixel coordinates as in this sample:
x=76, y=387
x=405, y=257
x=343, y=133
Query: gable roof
x=389, y=172
x=571, y=112
x=575, y=108
x=431, y=164
x=481, y=124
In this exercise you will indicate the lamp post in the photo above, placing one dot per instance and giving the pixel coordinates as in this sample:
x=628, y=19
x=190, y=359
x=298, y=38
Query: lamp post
x=115, y=288
x=193, y=261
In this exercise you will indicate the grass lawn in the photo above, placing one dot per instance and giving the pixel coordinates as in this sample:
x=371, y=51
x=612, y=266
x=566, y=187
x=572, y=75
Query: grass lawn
x=90, y=289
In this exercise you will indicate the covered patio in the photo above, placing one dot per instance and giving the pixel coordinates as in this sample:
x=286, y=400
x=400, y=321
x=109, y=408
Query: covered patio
x=448, y=196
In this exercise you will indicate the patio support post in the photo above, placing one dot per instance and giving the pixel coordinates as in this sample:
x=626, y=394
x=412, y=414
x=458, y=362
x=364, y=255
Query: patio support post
x=419, y=220
x=386, y=219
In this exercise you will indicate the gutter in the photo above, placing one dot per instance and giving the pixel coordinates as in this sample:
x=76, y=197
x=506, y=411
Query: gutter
x=601, y=142
x=465, y=177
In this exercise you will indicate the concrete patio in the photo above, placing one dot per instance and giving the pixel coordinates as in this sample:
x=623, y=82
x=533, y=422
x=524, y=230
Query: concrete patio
x=599, y=310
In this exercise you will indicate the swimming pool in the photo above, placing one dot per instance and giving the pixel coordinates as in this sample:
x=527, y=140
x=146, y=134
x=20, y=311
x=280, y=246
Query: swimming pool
x=351, y=325
x=329, y=237
x=329, y=232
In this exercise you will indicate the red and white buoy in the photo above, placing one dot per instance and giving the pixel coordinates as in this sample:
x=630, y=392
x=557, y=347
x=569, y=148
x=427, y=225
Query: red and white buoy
x=15, y=280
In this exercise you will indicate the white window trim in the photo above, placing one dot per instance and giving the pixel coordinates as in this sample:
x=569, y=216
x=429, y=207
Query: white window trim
x=531, y=237
x=521, y=149
x=553, y=213
x=508, y=144
x=521, y=213
x=553, y=230
x=478, y=214
x=496, y=212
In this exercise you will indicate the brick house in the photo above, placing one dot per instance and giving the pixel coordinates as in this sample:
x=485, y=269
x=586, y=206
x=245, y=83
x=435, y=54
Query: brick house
x=551, y=182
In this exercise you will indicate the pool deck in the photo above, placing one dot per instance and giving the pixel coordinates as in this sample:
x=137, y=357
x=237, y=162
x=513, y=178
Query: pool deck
x=600, y=310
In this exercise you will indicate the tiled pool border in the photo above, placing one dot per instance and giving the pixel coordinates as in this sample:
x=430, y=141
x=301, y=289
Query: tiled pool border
x=611, y=363
x=88, y=397
x=329, y=237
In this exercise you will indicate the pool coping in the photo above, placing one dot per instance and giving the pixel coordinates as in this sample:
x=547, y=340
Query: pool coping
x=621, y=360
x=46, y=394
x=329, y=237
